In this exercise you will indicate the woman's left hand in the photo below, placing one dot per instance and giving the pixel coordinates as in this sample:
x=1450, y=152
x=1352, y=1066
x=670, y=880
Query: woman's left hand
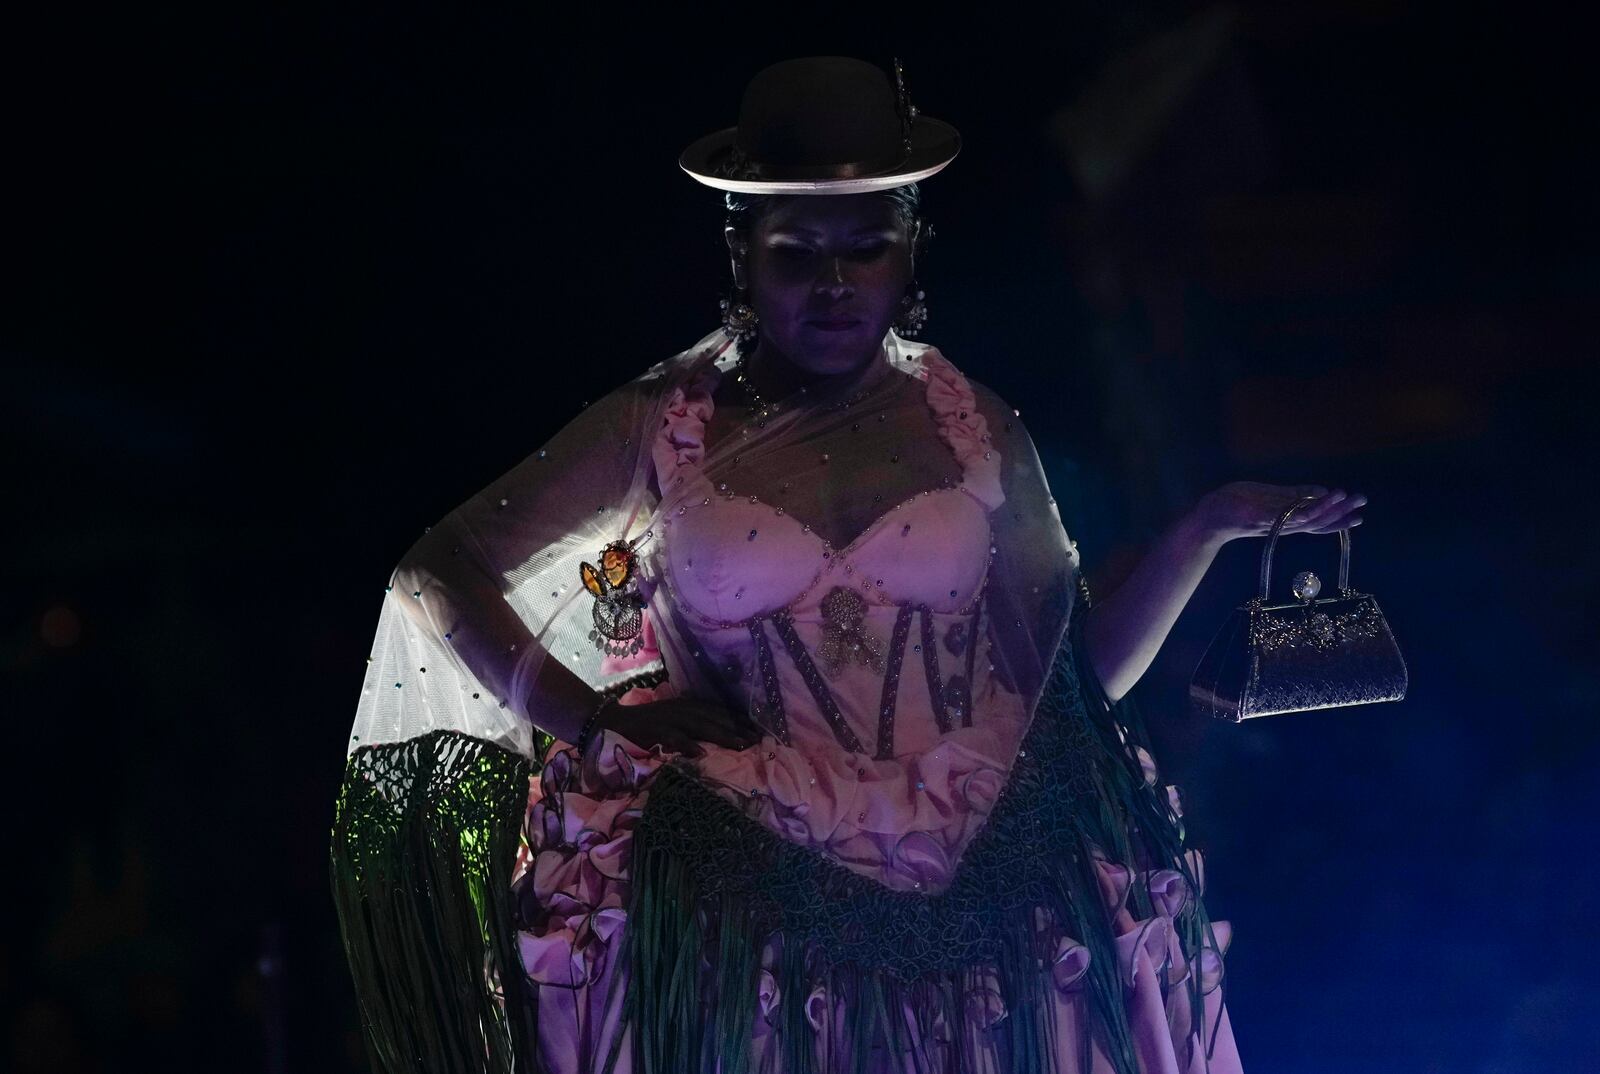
x=1129, y=625
x=1249, y=508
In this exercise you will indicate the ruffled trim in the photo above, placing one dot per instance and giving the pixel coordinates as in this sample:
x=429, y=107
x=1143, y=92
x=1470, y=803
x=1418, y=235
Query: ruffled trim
x=1145, y=945
x=904, y=822
x=954, y=405
x=571, y=883
x=680, y=450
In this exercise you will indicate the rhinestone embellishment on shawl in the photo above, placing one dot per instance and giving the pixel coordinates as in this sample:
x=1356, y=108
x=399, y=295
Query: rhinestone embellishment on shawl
x=843, y=638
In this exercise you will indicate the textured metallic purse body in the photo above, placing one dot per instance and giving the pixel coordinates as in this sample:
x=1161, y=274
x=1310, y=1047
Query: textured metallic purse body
x=1270, y=659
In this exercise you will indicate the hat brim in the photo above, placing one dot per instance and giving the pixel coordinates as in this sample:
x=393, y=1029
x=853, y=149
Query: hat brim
x=934, y=144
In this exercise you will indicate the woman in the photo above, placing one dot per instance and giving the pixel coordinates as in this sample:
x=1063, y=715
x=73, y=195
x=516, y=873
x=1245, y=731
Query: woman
x=834, y=771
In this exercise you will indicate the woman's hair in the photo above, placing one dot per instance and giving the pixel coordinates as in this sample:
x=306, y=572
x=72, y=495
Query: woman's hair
x=745, y=209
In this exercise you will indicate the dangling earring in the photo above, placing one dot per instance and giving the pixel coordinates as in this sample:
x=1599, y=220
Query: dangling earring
x=739, y=317
x=913, y=312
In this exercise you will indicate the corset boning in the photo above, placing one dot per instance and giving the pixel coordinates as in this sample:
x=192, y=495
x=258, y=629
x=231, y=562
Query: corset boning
x=890, y=724
x=876, y=648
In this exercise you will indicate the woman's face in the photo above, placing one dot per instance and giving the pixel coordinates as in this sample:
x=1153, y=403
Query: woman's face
x=826, y=275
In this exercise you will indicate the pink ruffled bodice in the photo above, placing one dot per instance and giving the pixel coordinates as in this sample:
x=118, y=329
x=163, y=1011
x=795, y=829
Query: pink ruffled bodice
x=757, y=584
x=729, y=560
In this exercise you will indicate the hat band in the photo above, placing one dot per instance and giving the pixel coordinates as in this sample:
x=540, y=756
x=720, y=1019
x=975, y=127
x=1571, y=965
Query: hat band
x=739, y=166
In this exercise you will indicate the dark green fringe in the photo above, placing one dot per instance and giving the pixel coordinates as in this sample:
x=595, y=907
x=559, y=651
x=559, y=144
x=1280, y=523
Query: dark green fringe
x=709, y=881
x=424, y=842
x=1148, y=816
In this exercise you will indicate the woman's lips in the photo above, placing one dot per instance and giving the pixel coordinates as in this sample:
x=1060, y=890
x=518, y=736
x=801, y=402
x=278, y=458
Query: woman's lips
x=834, y=326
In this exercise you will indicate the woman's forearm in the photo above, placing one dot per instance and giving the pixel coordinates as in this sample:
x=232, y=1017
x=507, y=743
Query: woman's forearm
x=561, y=702
x=1126, y=628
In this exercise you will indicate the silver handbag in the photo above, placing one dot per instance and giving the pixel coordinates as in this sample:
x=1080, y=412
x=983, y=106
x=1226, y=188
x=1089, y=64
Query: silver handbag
x=1270, y=659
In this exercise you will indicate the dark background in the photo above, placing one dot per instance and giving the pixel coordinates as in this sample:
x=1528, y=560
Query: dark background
x=282, y=289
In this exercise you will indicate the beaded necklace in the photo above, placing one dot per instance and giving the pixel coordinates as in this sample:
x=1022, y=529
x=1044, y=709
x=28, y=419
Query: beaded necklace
x=761, y=409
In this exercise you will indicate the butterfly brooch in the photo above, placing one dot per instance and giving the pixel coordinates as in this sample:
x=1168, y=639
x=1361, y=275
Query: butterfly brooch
x=618, y=607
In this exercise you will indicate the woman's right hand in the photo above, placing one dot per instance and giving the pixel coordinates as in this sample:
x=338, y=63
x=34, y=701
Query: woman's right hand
x=680, y=724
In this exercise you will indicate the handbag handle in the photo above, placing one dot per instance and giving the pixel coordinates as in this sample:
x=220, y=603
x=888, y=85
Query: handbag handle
x=1272, y=541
